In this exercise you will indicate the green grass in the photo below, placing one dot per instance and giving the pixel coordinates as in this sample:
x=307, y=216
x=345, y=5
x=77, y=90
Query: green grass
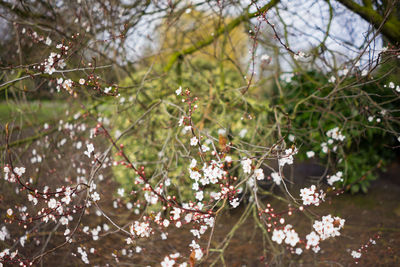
x=33, y=112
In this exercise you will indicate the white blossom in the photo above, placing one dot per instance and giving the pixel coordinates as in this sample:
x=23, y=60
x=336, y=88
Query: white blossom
x=310, y=154
x=90, y=149
x=287, y=157
x=356, y=254
x=292, y=238
x=246, y=165
x=52, y=203
x=234, y=202
x=194, y=141
x=259, y=174
x=95, y=196
x=178, y=91
x=335, y=178
x=312, y=239
x=278, y=236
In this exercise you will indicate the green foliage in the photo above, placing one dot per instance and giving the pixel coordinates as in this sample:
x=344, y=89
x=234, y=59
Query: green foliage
x=307, y=107
x=315, y=106
x=159, y=141
x=32, y=112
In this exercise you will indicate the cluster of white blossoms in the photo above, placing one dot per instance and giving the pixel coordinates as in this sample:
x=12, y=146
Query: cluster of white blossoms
x=287, y=157
x=276, y=177
x=203, y=224
x=356, y=254
x=38, y=38
x=65, y=84
x=299, y=55
x=151, y=197
x=337, y=177
x=328, y=226
x=4, y=234
x=334, y=135
x=90, y=149
x=32, y=199
x=84, y=255
x=6, y=252
x=391, y=85
x=54, y=60
x=170, y=260
x=378, y=120
x=36, y=158
x=18, y=170
x=246, y=165
x=198, y=232
x=176, y=212
x=310, y=196
x=198, y=253
x=287, y=234
x=10, y=176
x=67, y=195
x=95, y=196
x=212, y=173
x=141, y=229
x=56, y=202
x=95, y=232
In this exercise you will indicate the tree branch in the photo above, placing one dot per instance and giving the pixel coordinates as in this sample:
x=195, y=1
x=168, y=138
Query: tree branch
x=391, y=29
x=229, y=27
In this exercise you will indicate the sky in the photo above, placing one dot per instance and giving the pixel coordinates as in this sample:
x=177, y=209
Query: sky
x=307, y=21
